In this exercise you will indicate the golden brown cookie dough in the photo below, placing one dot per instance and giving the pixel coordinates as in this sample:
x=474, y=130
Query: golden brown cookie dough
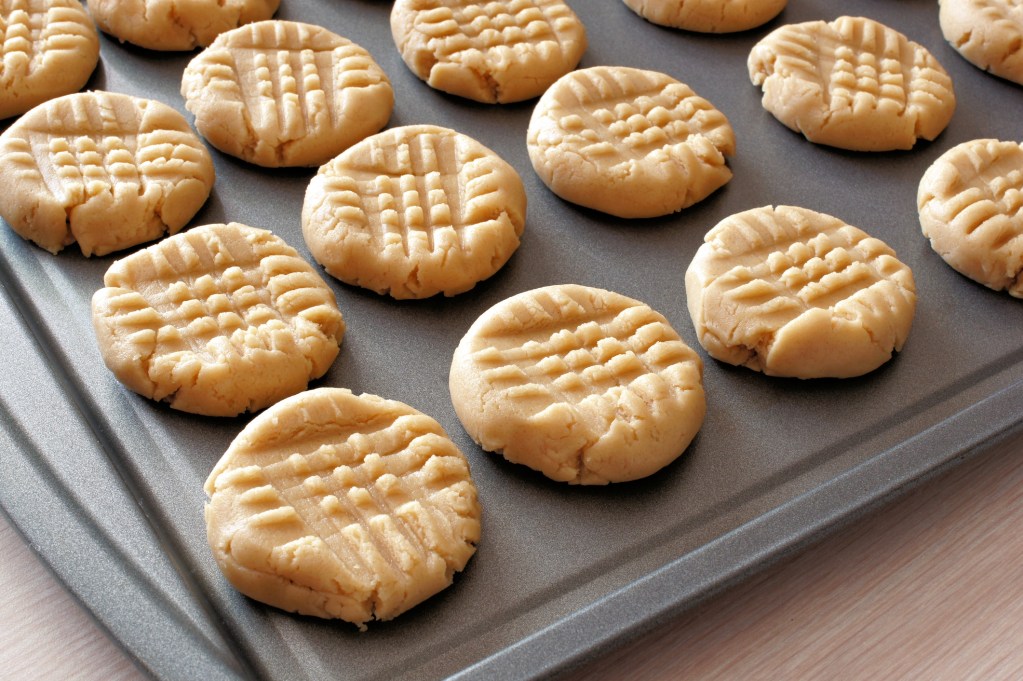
x=628, y=142
x=176, y=24
x=708, y=16
x=49, y=48
x=494, y=52
x=218, y=320
x=342, y=506
x=281, y=93
x=852, y=83
x=971, y=208
x=414, y=211
x=988, y=33
x=582, y=384
x=103, y=169
x=792, y=292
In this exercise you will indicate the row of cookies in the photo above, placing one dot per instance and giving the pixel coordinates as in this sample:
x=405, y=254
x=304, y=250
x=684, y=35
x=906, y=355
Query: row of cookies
x=628, y=142
x=638, y=143
x=51, y=47
x=508, y=52
x=986, y=33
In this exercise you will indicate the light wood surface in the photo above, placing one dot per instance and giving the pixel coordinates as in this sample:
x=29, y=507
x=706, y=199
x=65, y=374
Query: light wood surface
x=930, y=587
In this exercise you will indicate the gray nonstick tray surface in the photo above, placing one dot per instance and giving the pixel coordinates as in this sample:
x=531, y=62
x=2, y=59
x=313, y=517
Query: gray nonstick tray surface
x=108, y=485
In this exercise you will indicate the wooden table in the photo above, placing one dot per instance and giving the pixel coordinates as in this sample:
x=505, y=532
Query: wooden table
x=929, y=587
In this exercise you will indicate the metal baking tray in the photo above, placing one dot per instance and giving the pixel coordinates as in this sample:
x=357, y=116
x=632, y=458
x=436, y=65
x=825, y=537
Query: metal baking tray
x=108, y=485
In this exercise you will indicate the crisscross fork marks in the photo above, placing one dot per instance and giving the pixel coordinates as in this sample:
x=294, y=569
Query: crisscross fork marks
x=779, y=263
x=202, y=292
x=988, y=203
x=22, y=22
x=455, y=26
x=76, y=165
x=849, y=59
x=818, y=273
x=774, y=266
x=290, y=77
x=870, y=61
x=284, y=90
x=609, y=115
x=342, y=485
x=984, y=176
x=77, y=168
x=578, y=358
x=87, y=146
x=30, y=29
x=352, y=493
x=411, y=192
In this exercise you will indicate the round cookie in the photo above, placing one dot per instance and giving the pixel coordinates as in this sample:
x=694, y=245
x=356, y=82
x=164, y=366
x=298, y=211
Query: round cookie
x=50, y=48
x=414, y=211
x=492, y=52
x=970, y=202
x=342, y=506
x=103, y=169
x=218, y=320
x=852, y=83
x=628, y=142
x=582, y=384
x=708, y=16
x=792, y=292
x=987, y=33
x=281, y=93
x=176, y=24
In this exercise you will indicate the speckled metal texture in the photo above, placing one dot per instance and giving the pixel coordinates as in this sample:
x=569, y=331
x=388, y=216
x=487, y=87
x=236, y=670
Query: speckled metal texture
x=108, y=485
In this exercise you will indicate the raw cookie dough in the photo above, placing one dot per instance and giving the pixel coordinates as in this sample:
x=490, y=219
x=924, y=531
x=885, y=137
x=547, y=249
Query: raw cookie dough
x=218, y=320
x=414, y=211
x=342, y=506
x=49, y=48
x=103, y=169
x=281, y=93
x=176, y=24
x=584, y=385
x=708, y=16
x=852, y=83
x=988, y=33
x=492, y=52
x=792, y=292
x=628, y=142
x=971, y=208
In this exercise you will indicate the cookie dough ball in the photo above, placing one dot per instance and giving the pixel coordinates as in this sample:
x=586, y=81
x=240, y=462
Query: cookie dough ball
x=281, y=93
x=708, y=16
x=987, y=33
x=218, y=320
x=582, y=384
x=792, y=292
x=971, y=208
x=342, y=506
x=414, y=211
x=49, y=49
x=852, y=83
x=103, y=169
x=176, y=24
x=628, y=142
x=493, y=52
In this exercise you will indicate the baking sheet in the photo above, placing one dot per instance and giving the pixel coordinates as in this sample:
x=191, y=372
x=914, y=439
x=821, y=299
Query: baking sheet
x=108, y=486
